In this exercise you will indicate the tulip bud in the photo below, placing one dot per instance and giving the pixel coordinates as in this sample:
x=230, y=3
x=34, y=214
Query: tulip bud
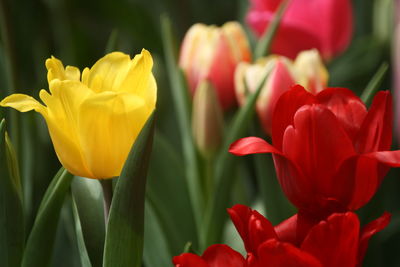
x=212, y=53
x=311, y=72
x=207, y=121
x=280, y=79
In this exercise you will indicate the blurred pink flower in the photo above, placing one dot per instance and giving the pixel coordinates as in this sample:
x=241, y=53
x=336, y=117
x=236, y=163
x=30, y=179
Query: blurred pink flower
x=326, y=25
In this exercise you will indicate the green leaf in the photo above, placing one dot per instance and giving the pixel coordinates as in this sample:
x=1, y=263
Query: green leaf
x=156, y=248
x=88, y=197
x=38, y=251
x=124, y=236
x=85, y=261
x=12, y=236
x=374, y=84
x=216, y=213
x=182, y=105
x=264, y=44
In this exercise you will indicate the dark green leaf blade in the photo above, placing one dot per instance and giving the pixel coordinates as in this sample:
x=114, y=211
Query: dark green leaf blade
x=11, y=207
x=125, y=228
x=374, y=84
x=88, y=197
x=38, y=251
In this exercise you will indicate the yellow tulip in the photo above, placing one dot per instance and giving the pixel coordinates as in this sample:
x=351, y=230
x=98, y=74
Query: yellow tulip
x=94, y=120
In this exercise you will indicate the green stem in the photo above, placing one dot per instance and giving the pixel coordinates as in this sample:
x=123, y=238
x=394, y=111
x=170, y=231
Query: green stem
x=107, y=194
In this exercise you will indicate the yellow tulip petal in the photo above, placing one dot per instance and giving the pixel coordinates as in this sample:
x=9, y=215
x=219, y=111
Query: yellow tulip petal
x=108, y=72
x=140, y=80
x=109, y=123
x=63, y=106
x=55, y=70
x=23, y=103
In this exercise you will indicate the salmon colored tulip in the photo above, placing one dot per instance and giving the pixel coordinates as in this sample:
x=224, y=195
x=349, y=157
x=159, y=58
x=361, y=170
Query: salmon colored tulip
x=211, y=53
x=307, y=70
x=326, y=25
x=95, y=118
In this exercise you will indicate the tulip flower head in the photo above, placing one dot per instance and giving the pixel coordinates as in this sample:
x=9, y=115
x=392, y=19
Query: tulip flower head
x=330, y=152
x=326, y=25
x=94, y=119
x=335, y=241
x=211, y=53
x=282, y=73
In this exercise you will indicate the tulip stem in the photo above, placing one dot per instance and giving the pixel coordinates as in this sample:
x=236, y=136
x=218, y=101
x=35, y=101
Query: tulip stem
x=107, y=194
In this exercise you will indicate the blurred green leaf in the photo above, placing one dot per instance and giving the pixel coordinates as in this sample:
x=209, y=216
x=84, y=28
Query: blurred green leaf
x=112, y=43
x=167, y=193
x=183, y=110
x=124, y=236
x=374, y=84
x=12, y=238
x=216, y=213
x=88, y=198
x=39, y=247
x=264, y=44
x=156, y=248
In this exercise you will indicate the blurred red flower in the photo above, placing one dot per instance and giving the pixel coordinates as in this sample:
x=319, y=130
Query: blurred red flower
x=330, y=153
x=326, y=25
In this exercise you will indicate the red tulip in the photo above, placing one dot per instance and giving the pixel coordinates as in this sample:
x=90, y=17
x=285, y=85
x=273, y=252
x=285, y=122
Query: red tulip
x=322, y=24
x=214, y=256
x=330, y=153
x=211, y=53
x=335, y=241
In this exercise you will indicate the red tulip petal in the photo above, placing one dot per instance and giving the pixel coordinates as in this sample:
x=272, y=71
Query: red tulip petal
x=251, y=145
x=347, y=107
x=273, y=253
x=285, y=108
x=375, y=133
x=368, y=231
x=189, y=260
x=318, y=145
x=287, y=230
x=222, y=256
x=389, y=158
x=334, y=241
x=252, y=226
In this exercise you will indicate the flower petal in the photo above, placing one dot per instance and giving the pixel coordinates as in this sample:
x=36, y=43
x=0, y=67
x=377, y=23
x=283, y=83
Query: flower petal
x=253, y=228
x=375, y=133
x=368, y=231
x=222, y=256
x=23, y=103
x=318, y=145
x=251, y=145
x=347, y=107
x=189, y=260
x=334, y=241
x=55, y=70
x=108, y=126
x=285, y=108
x=273, y=253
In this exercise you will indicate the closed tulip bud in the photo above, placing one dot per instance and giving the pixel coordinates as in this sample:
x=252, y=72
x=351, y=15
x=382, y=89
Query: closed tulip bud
x=212, y=53
x=94, y=120
x=311, y=71
x=207, y=121
x=280, y=78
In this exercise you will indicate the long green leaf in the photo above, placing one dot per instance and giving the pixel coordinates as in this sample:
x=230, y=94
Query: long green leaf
x=83, y=254
x=182, y=105
x=374, y=84
x=216, y=213
x=264, y=44
x=124, y=236
x=88, y=197
x=40, y=243
x=12, y=238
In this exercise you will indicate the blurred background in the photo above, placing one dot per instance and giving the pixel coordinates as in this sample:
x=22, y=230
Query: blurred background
x=77, y=32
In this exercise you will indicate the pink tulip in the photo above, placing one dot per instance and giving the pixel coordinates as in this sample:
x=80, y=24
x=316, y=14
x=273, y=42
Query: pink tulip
x=326, y=25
